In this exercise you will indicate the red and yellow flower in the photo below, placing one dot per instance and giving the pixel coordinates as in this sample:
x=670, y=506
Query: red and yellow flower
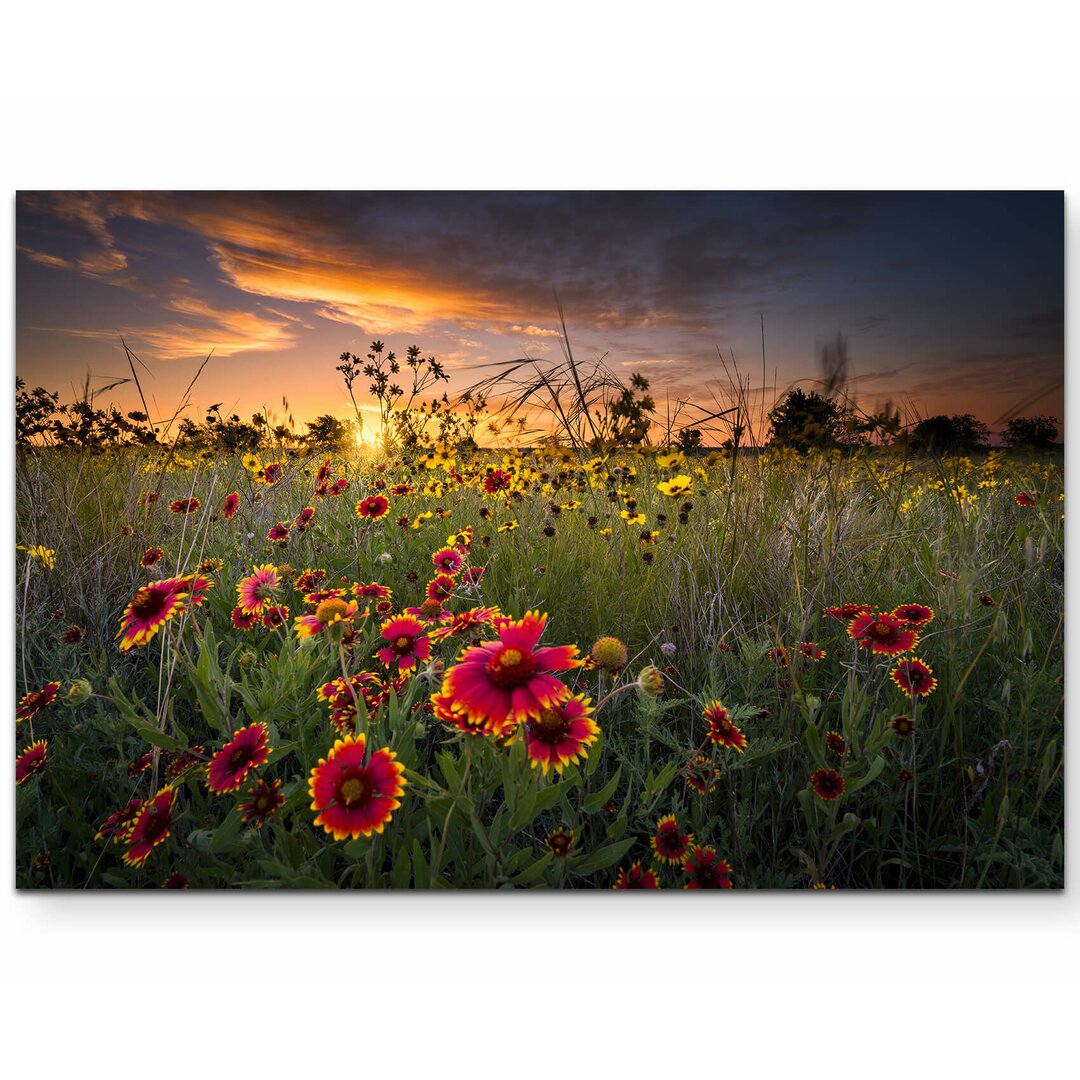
x=373, y=508
x=329, y=613
x=33, y=702
x=827, y=784
x=847, y=612
x=441, y=588
x=446, y=709
x=636, y=878
x=371, y=590
x=448, y=560
x=246, y=750
x=464, y=622
x=230, y=505
x=264, y=798
x=117, y=825
x=705, y=869
x=561, y=734
x=278, y=534
x=882, y=634
x=670, y=844
x=407, y=646
x=914, y=676
x=244, y=620
x=151, y=827
x=275, y=615
x=257, y=590
x=560, y=840
x=913, y=616
x=509, y=680
x=722, y=730
x=355, y=798
x=31, y=761
x=152, y=556
x=701, y=775
x=155, y=604
x=496, y=481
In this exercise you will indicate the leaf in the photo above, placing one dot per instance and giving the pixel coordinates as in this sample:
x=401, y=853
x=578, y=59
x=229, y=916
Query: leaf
x=872, y=774
x=450, y=770
x=604, y=857
x=525, y=812
x=357, y=849
x=547, y=797
x=597, y=800
x=655, y=785
x=401, y=874
x=843, y=827
x=420, y=866
x=596, y=752
x=531, y=873
x=226, y=833
x=157, y=738
x=617, y=829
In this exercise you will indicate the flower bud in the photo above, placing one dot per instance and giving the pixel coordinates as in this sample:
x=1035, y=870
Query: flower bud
x=78, y=692
x=650, y=682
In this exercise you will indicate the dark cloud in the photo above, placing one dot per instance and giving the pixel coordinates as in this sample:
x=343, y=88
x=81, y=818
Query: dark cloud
x=657, y=279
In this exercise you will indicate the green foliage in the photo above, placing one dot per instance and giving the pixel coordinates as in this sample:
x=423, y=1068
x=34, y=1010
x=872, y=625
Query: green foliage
x=973, y=799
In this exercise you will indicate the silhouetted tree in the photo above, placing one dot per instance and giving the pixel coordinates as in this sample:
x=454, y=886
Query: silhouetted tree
x=958, y=434
x=689, y=438
x=808, y=421
x=1036, y=432
x=327, y=433
x=33, y=412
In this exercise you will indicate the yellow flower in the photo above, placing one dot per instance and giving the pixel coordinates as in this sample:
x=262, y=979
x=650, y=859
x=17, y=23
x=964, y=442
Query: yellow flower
x=677, y=486
x=632, y=519
x=510, y=526
x=43, y=556
x=670, y=460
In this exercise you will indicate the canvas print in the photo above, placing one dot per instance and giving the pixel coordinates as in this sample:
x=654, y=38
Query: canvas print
x=539, y=540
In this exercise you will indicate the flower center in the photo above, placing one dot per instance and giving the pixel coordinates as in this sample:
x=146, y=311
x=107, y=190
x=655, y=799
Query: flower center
x=510, y=668
x=402, y=645
x=330, y=610
x=157, y=824
x=882, y=631
x=356, y=788
x=240, y=756
x=551, y=724
x=149, y=602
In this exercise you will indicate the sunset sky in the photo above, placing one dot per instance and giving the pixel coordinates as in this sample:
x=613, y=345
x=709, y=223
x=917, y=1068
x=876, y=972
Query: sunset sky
x=950, y=302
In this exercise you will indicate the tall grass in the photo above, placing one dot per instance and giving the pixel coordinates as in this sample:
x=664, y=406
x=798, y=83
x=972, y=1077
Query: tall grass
x=769, y=542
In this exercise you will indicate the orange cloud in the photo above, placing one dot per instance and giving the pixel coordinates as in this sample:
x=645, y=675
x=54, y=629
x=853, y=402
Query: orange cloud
x=263, y=251
x=225, y=331
x=535, y=331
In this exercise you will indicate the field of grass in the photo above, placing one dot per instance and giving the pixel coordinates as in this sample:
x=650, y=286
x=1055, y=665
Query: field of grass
x=714, y=572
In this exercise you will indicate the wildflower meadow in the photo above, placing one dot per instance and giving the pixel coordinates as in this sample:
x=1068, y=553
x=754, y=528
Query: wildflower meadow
x=551, y=666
